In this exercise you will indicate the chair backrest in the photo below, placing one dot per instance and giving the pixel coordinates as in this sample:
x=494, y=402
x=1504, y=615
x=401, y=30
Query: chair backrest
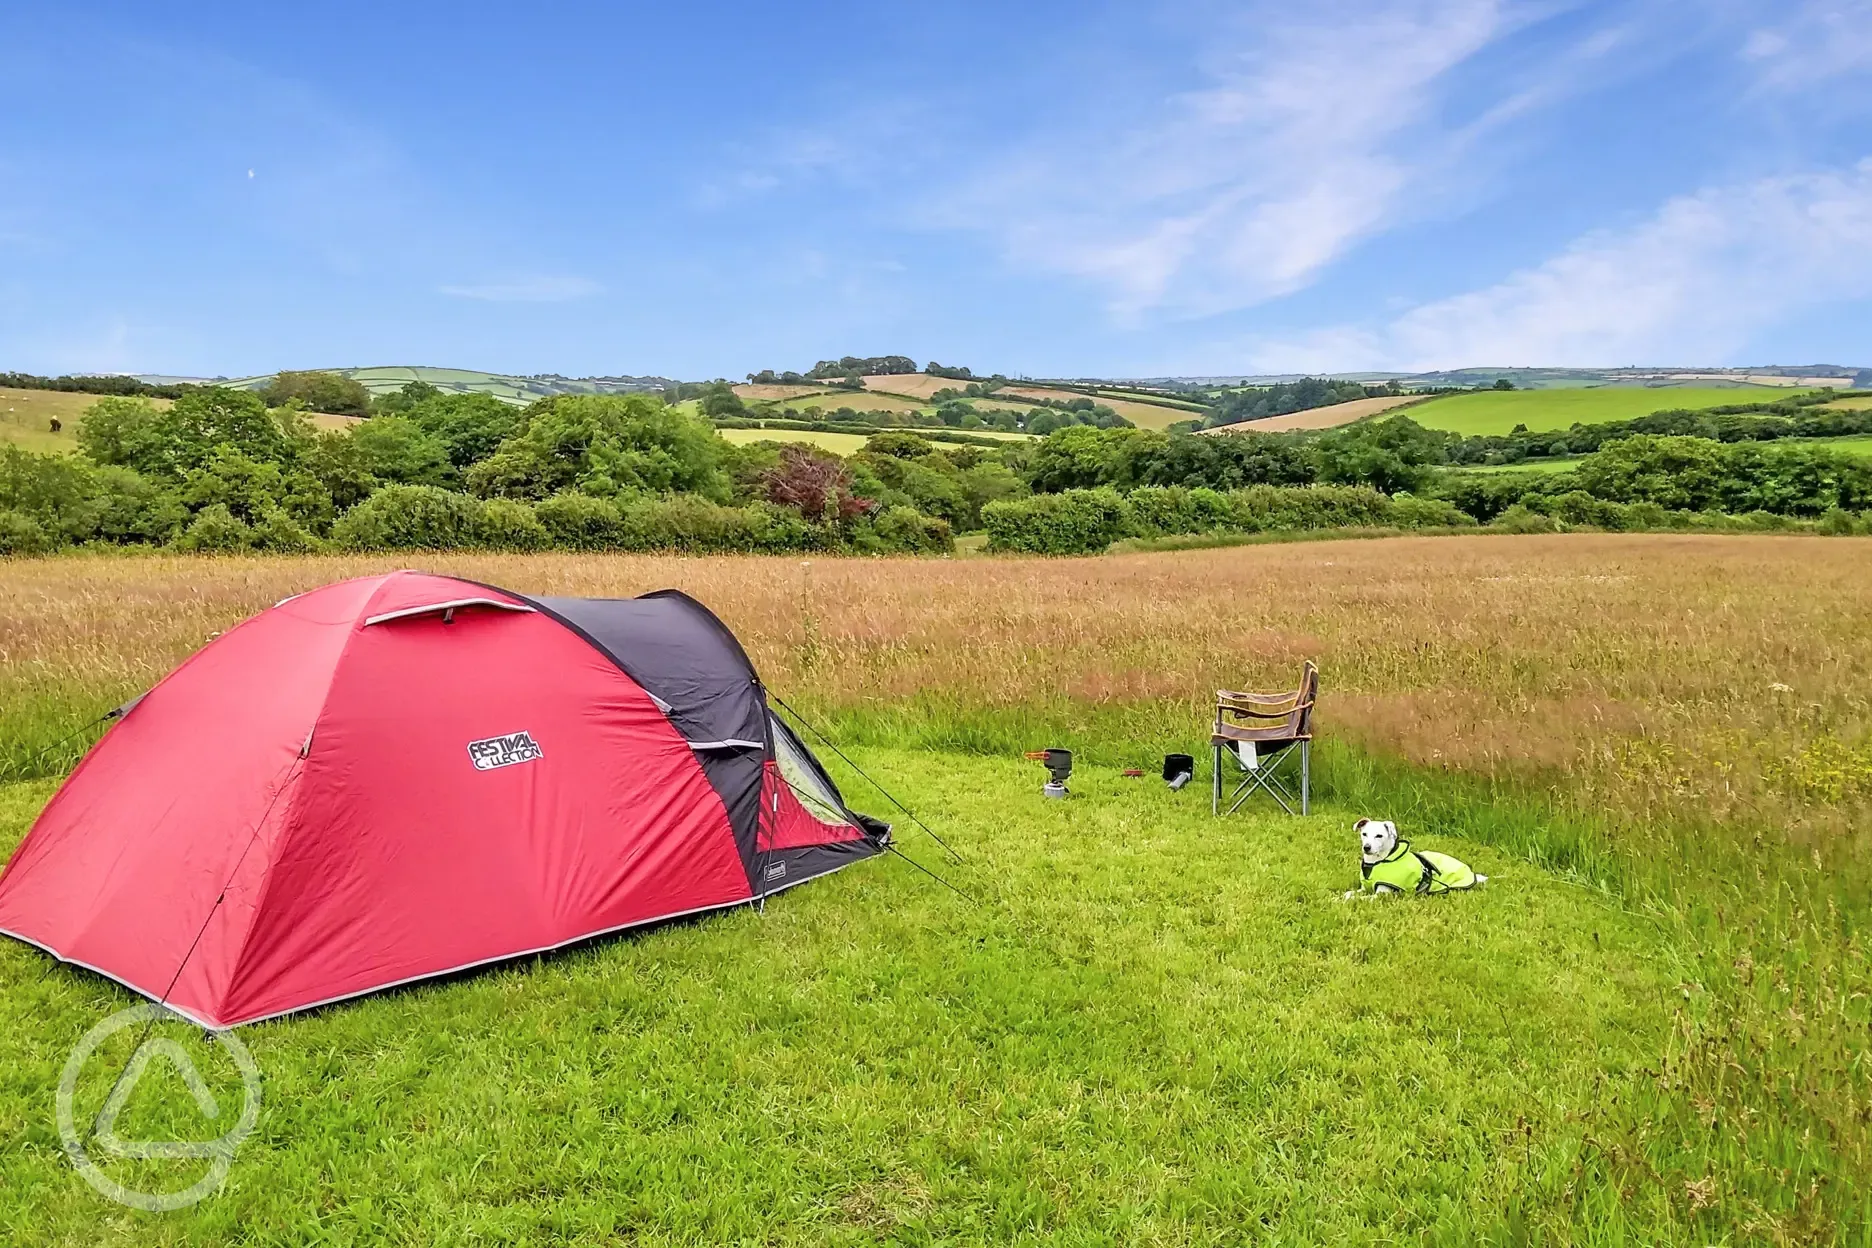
x=1309, y=694
x=1279, y=714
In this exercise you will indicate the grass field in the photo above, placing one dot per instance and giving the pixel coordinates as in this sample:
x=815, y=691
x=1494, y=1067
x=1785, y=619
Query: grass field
x=1860, y=445
x=1133, y=1039
x=837, y=443
x=1860, y=404
x=1159, y=1028
x=26, y=416
x=1492, y=412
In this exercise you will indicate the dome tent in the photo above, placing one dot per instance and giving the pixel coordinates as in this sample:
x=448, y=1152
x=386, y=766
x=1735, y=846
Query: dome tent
x=407, y=775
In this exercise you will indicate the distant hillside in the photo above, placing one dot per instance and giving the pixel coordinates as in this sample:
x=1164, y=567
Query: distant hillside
x=387, y=379
x=1767, y=376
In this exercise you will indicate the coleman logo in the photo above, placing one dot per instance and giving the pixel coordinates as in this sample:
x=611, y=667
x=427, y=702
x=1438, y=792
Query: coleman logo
x=515, y=747
x=777, y=871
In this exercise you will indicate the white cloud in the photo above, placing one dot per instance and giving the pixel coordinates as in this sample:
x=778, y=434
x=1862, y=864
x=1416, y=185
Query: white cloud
x=1820, y=40
x=1692, y=284
x=1308, y=135
x=527, y=290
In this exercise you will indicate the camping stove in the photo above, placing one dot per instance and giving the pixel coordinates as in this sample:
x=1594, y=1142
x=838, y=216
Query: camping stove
x=1059, y=766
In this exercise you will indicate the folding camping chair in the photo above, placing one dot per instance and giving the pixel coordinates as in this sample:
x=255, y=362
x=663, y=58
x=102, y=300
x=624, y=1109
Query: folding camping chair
x=1262, y=730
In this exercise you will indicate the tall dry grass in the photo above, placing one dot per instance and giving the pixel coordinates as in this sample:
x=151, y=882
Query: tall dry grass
x=1686, y=718
x=1643, y=675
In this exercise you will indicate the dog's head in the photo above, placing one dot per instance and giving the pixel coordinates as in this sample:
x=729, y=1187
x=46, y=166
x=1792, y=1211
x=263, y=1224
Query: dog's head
x=1377, y=838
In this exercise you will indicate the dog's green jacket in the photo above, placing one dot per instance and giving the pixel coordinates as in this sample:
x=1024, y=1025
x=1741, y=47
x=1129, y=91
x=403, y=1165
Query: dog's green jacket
x=1408, y=871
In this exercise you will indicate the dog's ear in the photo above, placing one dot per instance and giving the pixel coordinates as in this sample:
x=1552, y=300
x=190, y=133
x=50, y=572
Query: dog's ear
x=1360, y=825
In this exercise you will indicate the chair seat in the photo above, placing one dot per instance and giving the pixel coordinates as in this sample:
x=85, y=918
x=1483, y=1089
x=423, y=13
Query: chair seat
x=1278, y=735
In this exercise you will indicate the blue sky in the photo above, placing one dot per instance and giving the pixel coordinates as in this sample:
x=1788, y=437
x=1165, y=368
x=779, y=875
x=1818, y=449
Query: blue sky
x=1051, y=188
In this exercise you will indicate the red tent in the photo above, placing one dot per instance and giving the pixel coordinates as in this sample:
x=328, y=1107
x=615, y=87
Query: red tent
x=406, y=775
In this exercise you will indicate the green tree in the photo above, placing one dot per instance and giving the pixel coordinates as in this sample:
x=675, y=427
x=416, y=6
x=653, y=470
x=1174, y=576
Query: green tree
x=1083, y=457
x=899, y=445
x=319, y=392
x=249, y=489
x=122, y=431
x=719, y=401
x=399, y=402
x=55, y=492
x=398, y=449
x=986, y=482
x=411, y=517
x=1388, y=455
x=1678, y=473
x=216, y=530
x=342, y=468
x=605, y=445
x=168, y=445
x=133, y=509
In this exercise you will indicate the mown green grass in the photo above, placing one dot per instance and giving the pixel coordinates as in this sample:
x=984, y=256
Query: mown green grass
x=1157, y=1027
x=1860, y=445
x=1498, y=412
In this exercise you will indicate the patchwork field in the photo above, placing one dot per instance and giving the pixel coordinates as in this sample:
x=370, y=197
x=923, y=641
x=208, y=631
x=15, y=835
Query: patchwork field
x=760, y=393
x=386, y=379
x=860, y=401
x=1157, y=1027
x=1165, y=400
x=919, y=386
x=1143, y=415
x=1496, y=412
x=842, y=443
x=1330, y=417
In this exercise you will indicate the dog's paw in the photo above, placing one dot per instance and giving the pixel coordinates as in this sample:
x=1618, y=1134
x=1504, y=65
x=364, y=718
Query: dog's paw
x=1480, y=880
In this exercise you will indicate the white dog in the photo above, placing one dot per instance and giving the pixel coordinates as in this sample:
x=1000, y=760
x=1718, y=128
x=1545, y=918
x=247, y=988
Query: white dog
x=1388, y=865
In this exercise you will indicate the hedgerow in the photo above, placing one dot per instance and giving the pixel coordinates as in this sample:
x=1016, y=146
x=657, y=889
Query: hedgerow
x=1083, y=521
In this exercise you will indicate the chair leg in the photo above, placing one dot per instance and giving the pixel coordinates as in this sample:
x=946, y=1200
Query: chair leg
x=1215, y=781
x=1306, y=758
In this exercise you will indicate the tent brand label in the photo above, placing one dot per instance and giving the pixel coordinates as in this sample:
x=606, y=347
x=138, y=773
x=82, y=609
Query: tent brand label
x=515, y=747
x=777, y=871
